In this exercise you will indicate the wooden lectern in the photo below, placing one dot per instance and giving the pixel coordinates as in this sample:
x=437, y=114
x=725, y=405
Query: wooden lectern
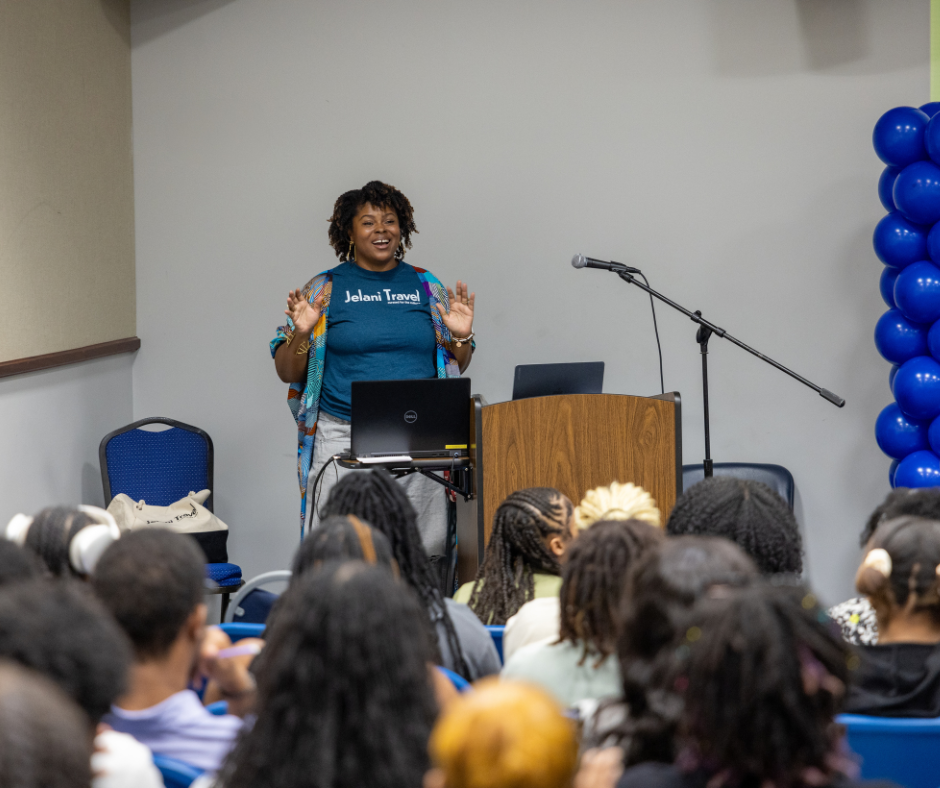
x=573, y=442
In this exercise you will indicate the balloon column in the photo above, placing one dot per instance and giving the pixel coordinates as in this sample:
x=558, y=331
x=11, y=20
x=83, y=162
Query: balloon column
x=907, y=241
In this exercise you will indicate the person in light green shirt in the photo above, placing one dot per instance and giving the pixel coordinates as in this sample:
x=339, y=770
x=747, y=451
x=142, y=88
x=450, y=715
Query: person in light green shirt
x=581, y=664
x=532, y=529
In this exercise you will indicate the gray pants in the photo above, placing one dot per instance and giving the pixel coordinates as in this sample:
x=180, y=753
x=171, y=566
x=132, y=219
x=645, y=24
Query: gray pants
x=426, y=496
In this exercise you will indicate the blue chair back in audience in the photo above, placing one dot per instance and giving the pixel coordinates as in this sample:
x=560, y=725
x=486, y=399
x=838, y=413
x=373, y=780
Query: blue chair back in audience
x=776, y=477
x=459, y=682
x=239, y=631
x=497, y=634
x=176, y=774
x=906, y=751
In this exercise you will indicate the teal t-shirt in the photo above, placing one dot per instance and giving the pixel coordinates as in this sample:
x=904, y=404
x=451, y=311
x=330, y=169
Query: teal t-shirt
x=379, y=328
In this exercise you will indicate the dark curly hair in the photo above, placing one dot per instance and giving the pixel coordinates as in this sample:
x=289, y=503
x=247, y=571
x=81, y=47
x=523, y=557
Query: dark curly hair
x=342, y=538
x=761, y=674
x=17, y=564
x=663, y=586
x=517, y=549
x=903, y=501
x=59, y=629
x=748, y=513
x=375, y=497
x=344, y=695
x=380, y=195
x=593, y=581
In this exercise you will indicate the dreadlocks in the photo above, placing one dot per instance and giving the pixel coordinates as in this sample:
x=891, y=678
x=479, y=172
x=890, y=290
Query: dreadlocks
x=51, y=534
x=517, y=549
x=344, y=697
x=746, y=512
x=374, y=497
x=380, y=195
x=763, y=674
x=593, y=580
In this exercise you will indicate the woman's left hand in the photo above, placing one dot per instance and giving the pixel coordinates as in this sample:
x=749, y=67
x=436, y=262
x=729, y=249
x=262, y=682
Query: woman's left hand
x=459, y=320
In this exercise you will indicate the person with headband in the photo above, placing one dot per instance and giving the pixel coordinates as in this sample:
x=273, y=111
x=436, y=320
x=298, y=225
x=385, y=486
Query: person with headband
x=68, y=540
x=900, y=577
x=617, y=502
x=372, y=317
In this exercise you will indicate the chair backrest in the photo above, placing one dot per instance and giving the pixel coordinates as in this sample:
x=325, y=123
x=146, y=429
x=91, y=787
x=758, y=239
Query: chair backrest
x=159, y=467
x=238, y=631
x=496, y=632
x=176, y=773
x=277, y=576
x=902, y=750
x=776, y=477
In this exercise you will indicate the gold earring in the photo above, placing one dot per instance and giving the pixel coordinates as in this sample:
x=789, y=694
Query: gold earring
x=350, y=255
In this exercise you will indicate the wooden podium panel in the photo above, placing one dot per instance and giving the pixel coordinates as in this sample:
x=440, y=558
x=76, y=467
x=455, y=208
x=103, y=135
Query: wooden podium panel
x=574, y=443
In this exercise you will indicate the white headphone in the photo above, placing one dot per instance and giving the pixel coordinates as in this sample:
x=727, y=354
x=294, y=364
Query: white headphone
x=86, y=546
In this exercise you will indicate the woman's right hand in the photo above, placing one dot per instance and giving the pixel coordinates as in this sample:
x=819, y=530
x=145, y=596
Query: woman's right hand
x=303, y=314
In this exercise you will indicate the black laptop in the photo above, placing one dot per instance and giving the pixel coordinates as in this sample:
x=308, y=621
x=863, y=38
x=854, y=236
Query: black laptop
x=544, y=380
x=418, y=419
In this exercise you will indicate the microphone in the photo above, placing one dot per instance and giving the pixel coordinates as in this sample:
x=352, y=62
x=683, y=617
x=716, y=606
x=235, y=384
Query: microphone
x=580, y=261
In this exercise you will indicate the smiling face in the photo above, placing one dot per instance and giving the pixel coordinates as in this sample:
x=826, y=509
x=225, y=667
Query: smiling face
x=376, y=236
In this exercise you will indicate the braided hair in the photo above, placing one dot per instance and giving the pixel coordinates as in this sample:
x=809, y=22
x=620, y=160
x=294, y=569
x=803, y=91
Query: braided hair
x=517, y=549
x=593, y=579
x=375, y=497
x=50, y=535
x=761, y=674
x=344, y=696
x=380, y=195
x=746, y=512
x=913, y=501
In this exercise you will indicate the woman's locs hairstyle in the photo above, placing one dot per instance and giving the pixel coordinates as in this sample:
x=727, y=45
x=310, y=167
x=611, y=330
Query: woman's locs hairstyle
x=381, y=195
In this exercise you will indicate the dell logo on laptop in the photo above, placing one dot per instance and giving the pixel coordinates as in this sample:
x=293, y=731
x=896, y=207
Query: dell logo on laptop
x=410, y=416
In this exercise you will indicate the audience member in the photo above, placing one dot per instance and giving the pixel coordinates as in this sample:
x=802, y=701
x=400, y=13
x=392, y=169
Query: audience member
x=856, y=616
x=532, y=529
x=152, y=581
x=617, y=502
x=343, y=538
x=17, y=564
x=44, y=741
x=68, y=540
x=900, y=675
x=462, y=642
x=746, y=512
x=344, y=697
x=747, y=694
x=581, y=664
x=60, y=630
x=504, y=734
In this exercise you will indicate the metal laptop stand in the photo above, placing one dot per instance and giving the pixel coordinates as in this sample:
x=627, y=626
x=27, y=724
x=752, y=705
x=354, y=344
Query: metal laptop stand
x=459, y=467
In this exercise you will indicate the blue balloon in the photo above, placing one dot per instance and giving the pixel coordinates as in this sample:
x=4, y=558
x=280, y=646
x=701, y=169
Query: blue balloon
x=899, y=242
x=920, y=469
x=917, y=388
x=892, y=471
x=891, y=375
x=888, y=277
x=897, y=435
x=933, y=340
x=899, y=136
x=898, y=339
x=886, y=187
x=931, y=108
x=917, y=292
x=933, y=435
x=917, y=192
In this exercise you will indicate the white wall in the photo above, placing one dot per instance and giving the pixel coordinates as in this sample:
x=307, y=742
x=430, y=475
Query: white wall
x=721, y=145
x=51, y=423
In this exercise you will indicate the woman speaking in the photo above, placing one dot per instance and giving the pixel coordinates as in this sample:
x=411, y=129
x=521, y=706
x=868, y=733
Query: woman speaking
x=332, y=339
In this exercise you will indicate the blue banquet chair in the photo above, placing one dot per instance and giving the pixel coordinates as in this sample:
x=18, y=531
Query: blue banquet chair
x=163, y=466
x=778, y=478
x=176, y=773
x=905, y=751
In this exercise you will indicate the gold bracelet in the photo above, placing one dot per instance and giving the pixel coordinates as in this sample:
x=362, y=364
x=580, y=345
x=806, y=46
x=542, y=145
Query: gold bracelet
x=460, y=340
x=289, y=335
x=302, y=350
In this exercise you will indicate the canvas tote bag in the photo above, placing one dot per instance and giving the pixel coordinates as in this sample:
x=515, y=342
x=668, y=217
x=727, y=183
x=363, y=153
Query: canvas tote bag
x=185, y=516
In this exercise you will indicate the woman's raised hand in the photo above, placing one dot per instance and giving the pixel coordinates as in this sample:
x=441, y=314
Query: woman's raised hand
x=459, y=320
x=303, y=314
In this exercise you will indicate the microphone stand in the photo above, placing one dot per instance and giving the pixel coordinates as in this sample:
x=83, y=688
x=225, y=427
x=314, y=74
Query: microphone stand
x=704, y=333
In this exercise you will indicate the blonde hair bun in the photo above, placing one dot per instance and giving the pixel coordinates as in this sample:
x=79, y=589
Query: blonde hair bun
x=617, y=502
x=879, y=560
